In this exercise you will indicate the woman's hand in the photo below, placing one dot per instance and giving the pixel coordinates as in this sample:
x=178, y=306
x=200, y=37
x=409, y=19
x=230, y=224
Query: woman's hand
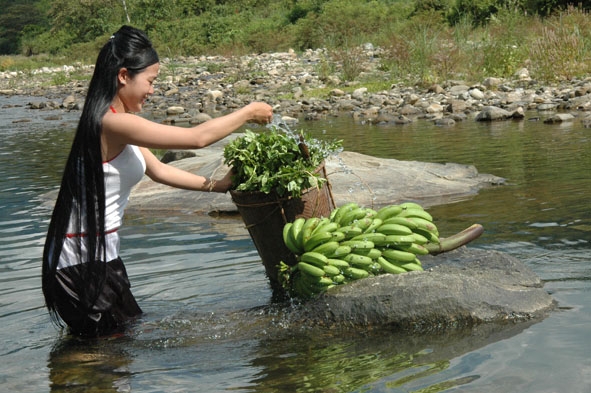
x=260, y=112
x=224, y=184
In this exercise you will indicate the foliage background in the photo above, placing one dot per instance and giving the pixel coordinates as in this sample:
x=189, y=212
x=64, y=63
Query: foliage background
x=430, y=39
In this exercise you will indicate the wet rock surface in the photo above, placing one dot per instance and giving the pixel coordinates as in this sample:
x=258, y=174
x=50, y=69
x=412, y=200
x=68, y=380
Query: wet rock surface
x=458, y=289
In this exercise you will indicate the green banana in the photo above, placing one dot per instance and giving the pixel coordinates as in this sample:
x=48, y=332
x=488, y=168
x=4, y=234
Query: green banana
x=370, y=213
x=401, y=221
x=339, y=278
x=420, y=239
x=349, y=217
x=338, y=263
x=388, y=211
x=420, y=213
x=416, y=249
x=316, y=282
x=411, y=205
x=373, y=253
x=399, y=240
x=374, y=268
x=412, y=267
x=309, y=269
x=331, y=270
x=341, y=210
x=286, y=229
x=390, y=267
x=355, y=273
x=375, y=223
x=296, y=232
x=340, y=252
x=432, y=237
x=301, y=288
x=307, y=229
x=326, y=226
x=350, y=231
x=314, y=258
x=357, y=260
x=327, y=248
x=333, y=214
x=394, y=229
x=397, y=256
x=316, y=240
x=424, y=224
x=322, y=222
x=355, y=242
x=362, y=223
x=338, y=236
x=358, y=244
x=287, y=239
x=376, y=237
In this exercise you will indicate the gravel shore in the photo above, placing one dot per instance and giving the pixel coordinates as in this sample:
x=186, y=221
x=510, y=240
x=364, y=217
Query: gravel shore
x=194, y=89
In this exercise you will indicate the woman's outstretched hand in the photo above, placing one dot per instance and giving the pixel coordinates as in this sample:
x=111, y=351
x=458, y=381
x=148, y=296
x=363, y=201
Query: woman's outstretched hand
x=261, y=112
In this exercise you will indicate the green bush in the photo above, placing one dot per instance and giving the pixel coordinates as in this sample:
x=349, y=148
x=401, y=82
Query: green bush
x=423, y=41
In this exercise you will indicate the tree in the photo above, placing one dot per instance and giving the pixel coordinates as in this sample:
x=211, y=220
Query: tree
x=17, y=16
x=86, y=20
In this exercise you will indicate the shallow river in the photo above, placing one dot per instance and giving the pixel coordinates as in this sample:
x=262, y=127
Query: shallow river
x=210, y=324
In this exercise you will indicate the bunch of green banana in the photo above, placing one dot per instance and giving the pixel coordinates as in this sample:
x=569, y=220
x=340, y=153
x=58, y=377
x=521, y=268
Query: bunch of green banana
x=353, y=243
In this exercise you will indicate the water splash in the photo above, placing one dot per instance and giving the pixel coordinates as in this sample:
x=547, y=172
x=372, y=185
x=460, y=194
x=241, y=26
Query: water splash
x=279, y=123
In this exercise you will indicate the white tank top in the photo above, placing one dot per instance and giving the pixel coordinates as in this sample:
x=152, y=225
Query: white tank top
x=122, y=173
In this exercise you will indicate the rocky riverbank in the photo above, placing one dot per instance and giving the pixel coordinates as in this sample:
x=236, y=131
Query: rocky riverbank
x=193, y=89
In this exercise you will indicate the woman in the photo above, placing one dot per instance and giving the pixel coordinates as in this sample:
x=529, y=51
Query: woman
x=84, y=280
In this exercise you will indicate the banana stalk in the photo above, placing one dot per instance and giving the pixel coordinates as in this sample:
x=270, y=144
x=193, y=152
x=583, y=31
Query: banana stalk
x=459, y=239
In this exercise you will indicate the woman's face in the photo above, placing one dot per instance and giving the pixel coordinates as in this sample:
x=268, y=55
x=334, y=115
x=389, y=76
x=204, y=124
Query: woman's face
x=134, y=90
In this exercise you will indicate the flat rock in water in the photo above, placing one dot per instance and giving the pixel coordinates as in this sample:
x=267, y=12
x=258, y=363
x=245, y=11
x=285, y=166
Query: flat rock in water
x=458, y=289
x=353, y=177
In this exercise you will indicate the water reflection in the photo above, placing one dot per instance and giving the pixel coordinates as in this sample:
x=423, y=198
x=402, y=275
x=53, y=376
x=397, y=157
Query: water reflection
x=101, y=365
x=273, y=352
x=321, y=361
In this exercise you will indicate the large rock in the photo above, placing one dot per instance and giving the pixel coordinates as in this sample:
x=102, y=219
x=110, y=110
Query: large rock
x=462, y=288
x=354, y=177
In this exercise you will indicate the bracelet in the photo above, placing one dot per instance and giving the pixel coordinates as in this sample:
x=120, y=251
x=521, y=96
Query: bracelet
x=211, y=184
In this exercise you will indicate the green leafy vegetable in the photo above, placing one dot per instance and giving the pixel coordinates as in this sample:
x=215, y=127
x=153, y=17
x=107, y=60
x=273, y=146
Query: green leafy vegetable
x=273, y=161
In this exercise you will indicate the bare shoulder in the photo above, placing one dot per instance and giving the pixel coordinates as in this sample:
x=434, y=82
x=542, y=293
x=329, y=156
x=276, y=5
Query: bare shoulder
x=128, y=128
x=122, y=122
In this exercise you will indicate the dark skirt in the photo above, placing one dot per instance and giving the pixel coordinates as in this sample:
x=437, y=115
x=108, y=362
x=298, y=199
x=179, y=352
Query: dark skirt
x=114, y=307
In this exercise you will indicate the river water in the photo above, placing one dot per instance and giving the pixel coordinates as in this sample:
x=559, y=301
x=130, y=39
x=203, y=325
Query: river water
x=210, y=324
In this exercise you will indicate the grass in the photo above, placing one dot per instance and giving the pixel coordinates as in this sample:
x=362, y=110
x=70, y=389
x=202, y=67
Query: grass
x=421, y=50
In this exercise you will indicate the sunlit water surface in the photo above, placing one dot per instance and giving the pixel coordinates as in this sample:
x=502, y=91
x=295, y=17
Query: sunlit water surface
x=210, y=324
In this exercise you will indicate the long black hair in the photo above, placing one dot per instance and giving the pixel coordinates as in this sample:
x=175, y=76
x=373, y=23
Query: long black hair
x=80, y=205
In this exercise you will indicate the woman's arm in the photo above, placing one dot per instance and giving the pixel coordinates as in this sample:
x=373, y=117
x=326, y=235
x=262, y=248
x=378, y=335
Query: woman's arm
x=175, y=177
x=122, y=128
